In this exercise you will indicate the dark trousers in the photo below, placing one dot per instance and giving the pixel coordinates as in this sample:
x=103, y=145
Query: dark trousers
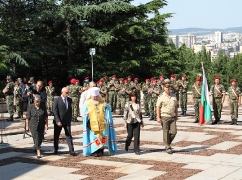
x=133, y=130
x=57, y=131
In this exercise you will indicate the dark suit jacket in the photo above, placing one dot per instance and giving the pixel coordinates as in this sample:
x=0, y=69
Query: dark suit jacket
x=61, y=114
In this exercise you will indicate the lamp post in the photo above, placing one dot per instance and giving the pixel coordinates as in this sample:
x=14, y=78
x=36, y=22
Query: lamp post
x=92, y=52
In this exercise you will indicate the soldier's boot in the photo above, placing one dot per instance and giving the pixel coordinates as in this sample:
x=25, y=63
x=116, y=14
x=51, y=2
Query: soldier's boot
x=235, y=122
x=184, y=114
x=146, y=114
x=10, y=119
x=215, y=122
x=196, y=121
x=22, y=114
x=232, y=122
x=120, y=112
x=152, y=118
x=19, y=116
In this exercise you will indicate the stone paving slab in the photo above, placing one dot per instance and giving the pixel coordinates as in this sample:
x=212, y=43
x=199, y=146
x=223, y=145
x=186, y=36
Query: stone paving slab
x=225, y=145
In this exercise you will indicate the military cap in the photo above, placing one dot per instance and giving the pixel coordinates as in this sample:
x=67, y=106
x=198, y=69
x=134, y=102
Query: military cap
x=114, y=76
x=197, y=79
x=183, y=75
x=87, y=78
x=233, y=80
x=8, y=77
x=147, y=79
x=173, y=76
x=166, y=81
x=136, y=79
x=125, y=80
x=73, y=81
x=216, y=77
x=121, y=79
x=50, y=82
x=105, y=77
x=129, y=77
x=161, y=76
x=101, y=80
x=77, y=80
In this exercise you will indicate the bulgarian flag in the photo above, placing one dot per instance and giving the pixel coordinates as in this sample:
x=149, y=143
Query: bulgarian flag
x=205, y=113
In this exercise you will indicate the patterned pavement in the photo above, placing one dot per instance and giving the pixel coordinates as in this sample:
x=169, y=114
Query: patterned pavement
x=201, y=152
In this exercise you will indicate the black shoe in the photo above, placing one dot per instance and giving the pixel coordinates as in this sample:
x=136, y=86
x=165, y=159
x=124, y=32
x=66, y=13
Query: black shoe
x=196, y=121
x=137, y=153
x=146, y=114
x=56, y=151
x=152, y=118
x=235, y=122
x=10, y=119
x=182, y=113
x=73, y=153
x=95, y=154
x=39, y=156
x=232, y=122
x=215, y=122
x=126, y=147
x=75, y=120
x=17, y=117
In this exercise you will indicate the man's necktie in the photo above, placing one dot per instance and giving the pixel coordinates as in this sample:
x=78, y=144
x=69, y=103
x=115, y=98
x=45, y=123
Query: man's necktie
x=65, y=101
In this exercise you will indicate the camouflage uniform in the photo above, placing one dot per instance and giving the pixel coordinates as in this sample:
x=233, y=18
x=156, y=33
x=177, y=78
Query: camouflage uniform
x=153, y=100
x=18, y=102
x=112, y=94
x=9, y=99
x=196, y=90
x=173, y=90
x=146, y=98
x=233, y=101
x=121, y=98
x=103, y=88
x=183, y=95
x=136, y=87
x=217, y=92
x=74, y=95
x=50, y=91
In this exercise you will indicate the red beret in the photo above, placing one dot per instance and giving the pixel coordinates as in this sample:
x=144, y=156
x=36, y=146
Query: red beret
x=121, y=79
x=198, y=79
x=173, y=76
x=105, y=77
x=50, y=82
x=147, y=79
x=125, y=80
x=136, y=79
x=183, y=75
x=216, y=77
x=73, y=81
x=101, y=80
x=114, y=76
x=161, y=76
x=86, y=78
x=233, y=80
x=77, y=80
x=128, y=76
x=154, y=80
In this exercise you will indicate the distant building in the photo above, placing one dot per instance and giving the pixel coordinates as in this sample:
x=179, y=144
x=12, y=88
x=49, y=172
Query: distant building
x=175, y=40
x=218, y=37
x=191, y=40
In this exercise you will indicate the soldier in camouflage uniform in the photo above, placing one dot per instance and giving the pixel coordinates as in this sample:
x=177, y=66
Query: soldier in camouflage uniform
x=136, y=87
x=146, y=96
x=127, y=90
x=74, y=92
x=174, y=87
x=129, y=80
x=112, y=94
x=160, y=81
x=154, y=91
x=182, y=85
x=218, y=94
x=86, y=83
x=103, y=89
x=50, y=91
x=18, y=100
x=9, y=94
x=234, y=101
x=121, y=96
x=196, y=96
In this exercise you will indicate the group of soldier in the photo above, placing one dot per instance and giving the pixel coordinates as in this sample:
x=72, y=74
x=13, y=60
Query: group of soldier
x=117, y=90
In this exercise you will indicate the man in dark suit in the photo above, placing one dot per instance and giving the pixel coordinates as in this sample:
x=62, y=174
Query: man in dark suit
x=62, y=118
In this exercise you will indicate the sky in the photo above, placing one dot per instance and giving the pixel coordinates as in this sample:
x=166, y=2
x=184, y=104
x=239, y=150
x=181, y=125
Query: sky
x=210, y=14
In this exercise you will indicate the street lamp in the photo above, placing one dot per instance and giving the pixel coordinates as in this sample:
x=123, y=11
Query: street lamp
x=92, y=52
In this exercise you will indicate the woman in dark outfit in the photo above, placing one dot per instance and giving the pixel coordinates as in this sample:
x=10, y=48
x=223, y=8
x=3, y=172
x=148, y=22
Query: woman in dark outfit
x=37, y=122
x=133, y=121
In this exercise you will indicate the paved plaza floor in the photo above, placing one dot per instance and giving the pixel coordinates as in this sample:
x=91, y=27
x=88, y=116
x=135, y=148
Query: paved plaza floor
x=207, y=152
